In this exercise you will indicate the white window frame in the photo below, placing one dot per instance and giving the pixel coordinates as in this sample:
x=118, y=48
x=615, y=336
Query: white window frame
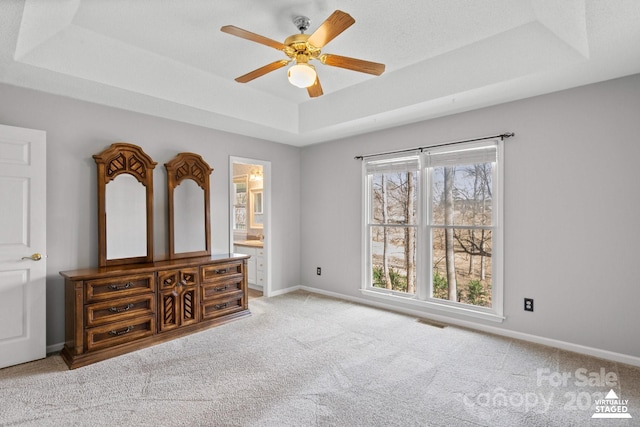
x=424, y=279
x=240, y=179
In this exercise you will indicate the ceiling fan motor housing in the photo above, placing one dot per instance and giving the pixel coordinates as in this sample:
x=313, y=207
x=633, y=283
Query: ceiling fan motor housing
x=299, y=49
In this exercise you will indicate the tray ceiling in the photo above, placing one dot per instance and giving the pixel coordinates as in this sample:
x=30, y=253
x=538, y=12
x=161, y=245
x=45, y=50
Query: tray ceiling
x=170, y=59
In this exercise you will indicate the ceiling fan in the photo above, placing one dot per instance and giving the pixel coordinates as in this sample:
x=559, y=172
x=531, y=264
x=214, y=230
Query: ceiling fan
x=301, y=48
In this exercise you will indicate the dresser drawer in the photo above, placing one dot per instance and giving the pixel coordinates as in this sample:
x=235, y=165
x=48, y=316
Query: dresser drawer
x=220, y=288
x=211, y=273
x=119, y=309
x=223, y=306
x=119, y=332
x=118, y=287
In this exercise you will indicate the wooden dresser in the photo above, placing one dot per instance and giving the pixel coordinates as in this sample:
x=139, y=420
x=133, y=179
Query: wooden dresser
x=114, y=310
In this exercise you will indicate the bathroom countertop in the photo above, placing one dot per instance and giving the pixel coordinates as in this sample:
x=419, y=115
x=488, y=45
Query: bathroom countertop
x=250, y=243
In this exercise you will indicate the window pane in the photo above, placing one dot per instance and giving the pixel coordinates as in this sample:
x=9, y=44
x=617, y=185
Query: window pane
x=241, y=193
x=471, y=270
x=394, y=198
x=463, y=192
x=396, y=245
x=240, y=218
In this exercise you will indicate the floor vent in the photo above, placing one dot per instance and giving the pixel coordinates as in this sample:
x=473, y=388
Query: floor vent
x=433, y=323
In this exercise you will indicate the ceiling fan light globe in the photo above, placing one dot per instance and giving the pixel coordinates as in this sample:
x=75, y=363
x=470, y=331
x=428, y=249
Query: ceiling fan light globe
x=302, y=75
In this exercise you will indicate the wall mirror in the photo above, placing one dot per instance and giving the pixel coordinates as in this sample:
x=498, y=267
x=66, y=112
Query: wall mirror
x=256, y=209
x=125, y=205
x=189, y=203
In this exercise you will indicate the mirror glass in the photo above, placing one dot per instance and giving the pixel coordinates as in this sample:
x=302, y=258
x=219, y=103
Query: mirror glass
x=256, y=209
x=189, y=217
x=257, y=202
x=126, y=218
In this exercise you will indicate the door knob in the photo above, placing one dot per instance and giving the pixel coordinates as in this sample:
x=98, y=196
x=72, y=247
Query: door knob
x=34, y=257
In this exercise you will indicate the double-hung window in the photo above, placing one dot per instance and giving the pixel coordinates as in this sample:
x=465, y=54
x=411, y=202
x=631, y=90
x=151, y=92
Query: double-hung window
x=433, y=232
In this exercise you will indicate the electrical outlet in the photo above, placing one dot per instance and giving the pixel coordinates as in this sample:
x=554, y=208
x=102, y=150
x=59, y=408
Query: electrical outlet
x=528, y=304
x=318, y=271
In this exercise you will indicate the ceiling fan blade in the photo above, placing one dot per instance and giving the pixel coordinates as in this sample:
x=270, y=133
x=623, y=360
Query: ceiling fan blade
x=262, y=71
x=331, y=28
x=354, y=64
x=315, y=89
x=239, y=32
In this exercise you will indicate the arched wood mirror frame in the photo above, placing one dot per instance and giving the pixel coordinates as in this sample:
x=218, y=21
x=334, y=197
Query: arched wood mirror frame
x=123, y=158
x=183, y=167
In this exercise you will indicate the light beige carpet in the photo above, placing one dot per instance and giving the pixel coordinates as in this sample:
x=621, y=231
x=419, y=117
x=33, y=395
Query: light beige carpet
x=308, y=360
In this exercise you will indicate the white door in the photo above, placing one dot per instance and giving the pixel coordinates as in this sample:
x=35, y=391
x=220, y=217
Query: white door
x=22, y=241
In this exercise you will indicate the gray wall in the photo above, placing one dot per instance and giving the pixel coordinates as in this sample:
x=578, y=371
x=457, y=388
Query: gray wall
x=571, y=200
x=76, y=130
x=572, y=210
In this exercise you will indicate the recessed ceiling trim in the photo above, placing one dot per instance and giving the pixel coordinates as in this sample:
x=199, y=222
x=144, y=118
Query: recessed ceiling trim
x=170, y=60
x=84, y=54
x=41, y=21
x=567, y=19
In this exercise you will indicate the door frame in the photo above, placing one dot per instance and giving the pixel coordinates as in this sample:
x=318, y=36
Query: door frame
x=266, y=201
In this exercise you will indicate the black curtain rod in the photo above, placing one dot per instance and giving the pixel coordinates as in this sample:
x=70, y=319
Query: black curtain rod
x=502, y=136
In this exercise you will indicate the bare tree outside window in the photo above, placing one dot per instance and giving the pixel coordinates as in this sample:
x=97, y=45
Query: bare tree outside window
x=394, y=235
x=450, y=264
x=462, y=200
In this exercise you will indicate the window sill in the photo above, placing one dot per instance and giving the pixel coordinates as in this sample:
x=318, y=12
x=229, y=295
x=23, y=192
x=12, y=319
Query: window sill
x=448, y=309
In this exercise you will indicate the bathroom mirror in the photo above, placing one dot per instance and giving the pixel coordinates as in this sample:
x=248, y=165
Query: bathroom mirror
x=256, y=208
x=188, y=195
x=125, y=205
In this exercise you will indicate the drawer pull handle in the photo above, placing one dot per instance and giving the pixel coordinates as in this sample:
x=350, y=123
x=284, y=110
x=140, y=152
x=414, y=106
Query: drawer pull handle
x=121, y=309
x=168, y=281
x=222, y=271
x=221, y=306
x=119, y=288
x=122, y=332
x=221, y=288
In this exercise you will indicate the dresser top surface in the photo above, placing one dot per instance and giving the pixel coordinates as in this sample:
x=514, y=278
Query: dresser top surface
x=116, y=270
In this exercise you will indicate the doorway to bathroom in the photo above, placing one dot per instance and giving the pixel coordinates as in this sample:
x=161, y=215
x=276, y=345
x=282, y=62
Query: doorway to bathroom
x=250, y=220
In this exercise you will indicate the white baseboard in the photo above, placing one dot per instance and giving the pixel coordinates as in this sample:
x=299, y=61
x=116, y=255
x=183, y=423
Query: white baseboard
x=288, y=290
x=550, y=342
x=55, y=348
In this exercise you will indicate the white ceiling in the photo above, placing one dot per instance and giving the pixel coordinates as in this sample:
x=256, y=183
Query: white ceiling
x=169, y=58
